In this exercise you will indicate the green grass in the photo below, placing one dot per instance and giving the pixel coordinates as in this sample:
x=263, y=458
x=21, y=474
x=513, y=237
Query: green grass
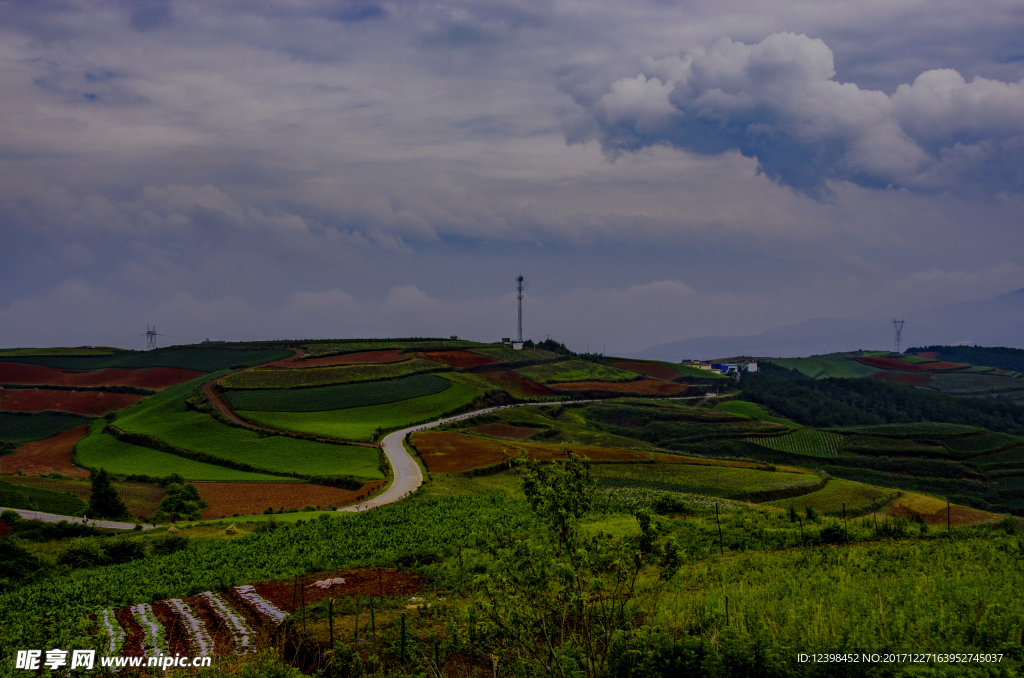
x=752, y=410
x=973, y=383
x=720, y=481
x=337, y=397
x=687, y=371
x=80, y=350
x=1012, y=457
x=101, y=450
x=806, y=442
x=165, y=416
x=202, y=359
x=858, y=498
x=576, y=370
x=919, y=429
x=504, y=354
x=23, y=427
x=825, y=367
x=325, y=376
x=31, y=498
x=329, y=348
x=360, y=423
x=915, y=359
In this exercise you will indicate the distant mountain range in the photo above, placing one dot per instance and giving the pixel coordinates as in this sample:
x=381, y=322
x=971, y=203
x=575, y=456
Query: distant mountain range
x=998, y=321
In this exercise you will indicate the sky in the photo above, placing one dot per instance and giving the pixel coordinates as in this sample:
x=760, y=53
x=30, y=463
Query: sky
x=656, y=170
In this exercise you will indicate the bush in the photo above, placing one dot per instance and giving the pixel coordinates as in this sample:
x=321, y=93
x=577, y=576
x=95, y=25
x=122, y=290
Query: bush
x=82, y=553
x=17, y=565
x=124, y=550
x=833, y=534
x=181, y=502
x=667, y=503
x=170, y=543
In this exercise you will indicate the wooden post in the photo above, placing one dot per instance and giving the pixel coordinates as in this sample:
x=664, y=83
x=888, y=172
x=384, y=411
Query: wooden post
x=881, y=614
x=462, y=583
x=303, y=610
x=727, y=610
x=801, y=521
x=402, y=647
x=846, y=525
x=373, y=623
x=359, y=602
x=947, y=516
x=437, y=661
x=380, y=584
x=721, y=548
x=330, y=618
x=295, y=580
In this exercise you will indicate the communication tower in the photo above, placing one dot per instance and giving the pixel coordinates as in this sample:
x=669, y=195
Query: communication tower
x=519, y=282
x=898, y=326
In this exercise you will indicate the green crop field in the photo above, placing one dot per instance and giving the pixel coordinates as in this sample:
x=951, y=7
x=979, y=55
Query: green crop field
x=337, y=397
x=721, y=481
x=34, y=499
x=101, y=450
x=915, y=359
x=80, y=350
x=576, y=370
x=202, y=359
x=164, y=416
x=504, y=354
x=687, y=371
x=983, y=443
x=22, y=427
x=806, y=442
x=329, y=348
x=325, y=376
x=360, y=423
x=919, y=429
x=1013, y=457
x=974, y=383
x=752, y=410
x=858, y=498
x=824, y=367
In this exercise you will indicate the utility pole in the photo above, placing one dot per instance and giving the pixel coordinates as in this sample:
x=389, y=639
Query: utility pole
x=150, y=337
x=519, y=334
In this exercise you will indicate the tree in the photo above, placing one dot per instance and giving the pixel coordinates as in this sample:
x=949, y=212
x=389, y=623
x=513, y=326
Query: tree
x=104, y=501
x=181, y=502
x=564, y=604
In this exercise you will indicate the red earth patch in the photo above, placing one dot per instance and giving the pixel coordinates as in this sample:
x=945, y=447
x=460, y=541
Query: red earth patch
x=656, y=370
x=931, y=355
x=47, y=456
x=504, y=431
x=227, y=499
x=287, y=594
x=516, y=384
x=94, y=403
x=460, y=360
x=912, y=379
x=155, y=378
x=392, y=355
x=650, y=386
x=896, y=364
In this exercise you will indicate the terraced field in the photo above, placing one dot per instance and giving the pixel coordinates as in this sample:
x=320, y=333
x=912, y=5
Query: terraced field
x=516, y=384
x=49, y=455
x=807, y=442
x=566, y=371
x=822, y=367
x=912, y=430
x=90, y=403
x=361, y=423
x=24, y=427
x=858, y=497
x=39, y=375
x=326, y=376
x=720, y=481
x=752, y=410
x=654, y=369
x=198, y=358
x=337, y=397
x=644, y=386
x=988, y=442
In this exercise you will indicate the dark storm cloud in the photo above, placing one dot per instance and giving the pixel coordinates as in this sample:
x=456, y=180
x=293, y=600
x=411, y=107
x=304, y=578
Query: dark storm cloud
x=778, y=101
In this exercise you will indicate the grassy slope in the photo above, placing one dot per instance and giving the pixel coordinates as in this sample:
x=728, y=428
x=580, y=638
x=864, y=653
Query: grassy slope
x=823, y=367
x=14, y=496
x=687, y=371
x=752, y=410
x=720, y=481
x=100, y=450
x=337, y=397
x=576, y=370
x=858, y=497
x=164, y=416
x=360, y=423
x=325, y=376
x=198, y=358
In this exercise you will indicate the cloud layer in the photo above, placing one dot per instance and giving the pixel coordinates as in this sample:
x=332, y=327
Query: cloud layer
x=778, y=101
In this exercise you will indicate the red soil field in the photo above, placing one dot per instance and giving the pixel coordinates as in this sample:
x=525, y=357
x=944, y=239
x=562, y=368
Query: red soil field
x=930, y=355
x=46, y=456
x=446, y=452
x=516, y=384
x=896, y=364
x=155, y=378
x=655, y=370
x=912, y=379
x=366, y=583
x=227, y=499
x=503, y=431
x=391, y=355
x=460, y=360
x=958, y=515
x=95, y=403
x=645, y=386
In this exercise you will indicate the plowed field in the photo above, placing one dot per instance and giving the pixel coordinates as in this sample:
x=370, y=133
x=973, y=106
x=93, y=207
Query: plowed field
x=646, y=386
x=516, y=384
x=656, y=370
x=934, y=511
x=912, y=379
x=95, y=403
x=46, y=456
x=503, y=431
x=226, y=499
x=367, y=583
x=897, y=364
x=446, y=452
x=460, y=360
x=392, y=355
x=155, y=378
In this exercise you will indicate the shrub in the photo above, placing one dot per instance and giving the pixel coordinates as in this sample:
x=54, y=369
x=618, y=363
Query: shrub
x=83, y=553
x=123, y=550
x=168, y=544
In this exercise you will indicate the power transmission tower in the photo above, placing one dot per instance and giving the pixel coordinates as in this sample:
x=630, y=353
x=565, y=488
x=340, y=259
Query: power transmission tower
x=898, y=326
x=150, y=337
x=519, y=334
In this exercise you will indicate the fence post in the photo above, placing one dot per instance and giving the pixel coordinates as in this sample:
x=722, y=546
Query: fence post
x=721, y=548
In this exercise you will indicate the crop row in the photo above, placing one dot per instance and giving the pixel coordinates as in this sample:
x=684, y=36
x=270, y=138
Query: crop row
x=325, y=376
x=912, y=430
x=337, y=397
x=806, y=442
